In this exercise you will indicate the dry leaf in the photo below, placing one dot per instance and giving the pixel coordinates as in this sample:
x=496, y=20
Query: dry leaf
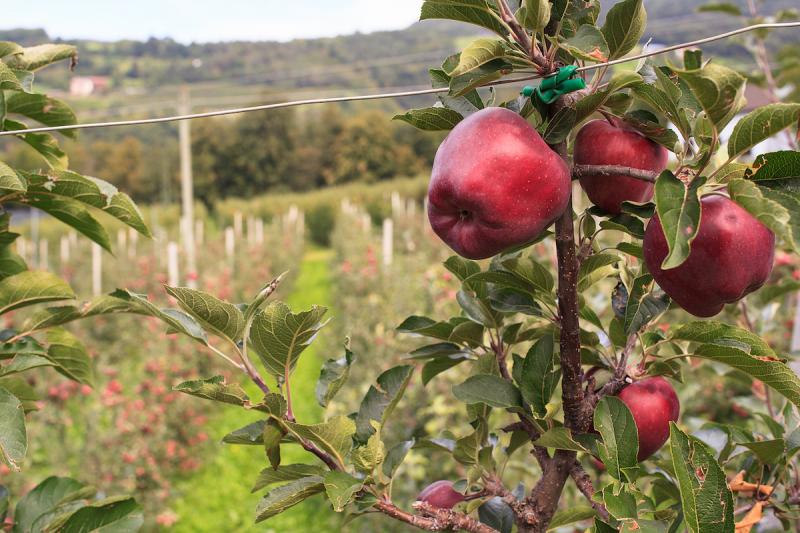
x=752, y=518
x=738, y=484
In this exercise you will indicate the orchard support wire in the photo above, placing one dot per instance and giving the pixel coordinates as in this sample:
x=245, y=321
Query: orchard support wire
x=379, y=96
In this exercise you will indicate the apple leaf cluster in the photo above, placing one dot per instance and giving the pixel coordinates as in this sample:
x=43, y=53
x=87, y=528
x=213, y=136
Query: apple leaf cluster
x=57, y=504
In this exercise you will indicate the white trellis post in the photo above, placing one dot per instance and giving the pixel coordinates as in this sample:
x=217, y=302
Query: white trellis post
x=97, y=269
x=133, y=239
x=259, y=232
x=122, y=241
x=22, y=248
x=230, y=242
x=388, y=244
x=301, y=225
x=173, y=276
x=795, y=346
x=397, y=204
x=237, y=224
x=64, y=250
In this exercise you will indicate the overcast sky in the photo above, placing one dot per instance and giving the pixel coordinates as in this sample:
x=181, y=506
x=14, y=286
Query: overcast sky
x=204, y=20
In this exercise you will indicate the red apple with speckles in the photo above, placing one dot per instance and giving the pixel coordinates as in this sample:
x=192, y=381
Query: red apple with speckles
x=441, y=494
x=731, y=256
x=495, y=184
x=653, y=404
x=600, y=142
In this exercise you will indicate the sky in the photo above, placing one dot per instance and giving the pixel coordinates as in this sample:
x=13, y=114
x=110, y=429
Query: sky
x=207, y=21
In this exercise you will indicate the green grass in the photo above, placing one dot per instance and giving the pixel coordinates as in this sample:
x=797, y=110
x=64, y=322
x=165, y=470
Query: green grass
x=217, y=498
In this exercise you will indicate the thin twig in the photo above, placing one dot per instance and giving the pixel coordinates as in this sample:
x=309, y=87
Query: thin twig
x=581, y=171
x=584, y=483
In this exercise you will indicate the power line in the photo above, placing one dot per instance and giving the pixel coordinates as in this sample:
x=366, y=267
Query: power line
x=401, y=94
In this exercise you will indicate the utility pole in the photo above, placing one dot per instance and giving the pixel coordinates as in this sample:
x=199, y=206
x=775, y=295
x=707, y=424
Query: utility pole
x=187, y=190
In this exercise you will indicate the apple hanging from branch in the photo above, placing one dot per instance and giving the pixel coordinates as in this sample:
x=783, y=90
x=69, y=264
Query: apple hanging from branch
x=495, y=184
x=730, y=257
x=653, y=404
x=610, y=142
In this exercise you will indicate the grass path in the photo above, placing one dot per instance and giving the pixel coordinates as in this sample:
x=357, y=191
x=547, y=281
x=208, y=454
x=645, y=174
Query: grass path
x=217, y=498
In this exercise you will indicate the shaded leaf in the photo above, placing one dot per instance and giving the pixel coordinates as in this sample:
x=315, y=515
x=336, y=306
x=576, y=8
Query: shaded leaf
x=340, y=488
x=678, y=208
x=284, y=497
x=381, y=399
x=217, y=316
x=30, y=288
x=13, y=438
x=489, y=389
x=620, y=444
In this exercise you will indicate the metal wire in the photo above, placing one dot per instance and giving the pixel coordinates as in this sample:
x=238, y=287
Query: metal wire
x=401, y=94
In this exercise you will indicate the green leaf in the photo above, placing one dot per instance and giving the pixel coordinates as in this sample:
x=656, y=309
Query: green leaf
x=340, y=488
x=496, y=514
x=706, y=501
x=467, y=449
x=119, y=514
x=42, y=499
x=537, y=15
x=278, y=500
x=588, y=44
x=489, y=389
x=768, y=451
x=591, y=103
x=565, y=517
x=559, y=438
x=464, y=105
x=560, y=126
x=280, y=336
x=678, y=208
x=177, y=320
x=479, y=76
x=761, y=124
x=215, y=389
x=10, y=180
x=477, y=12
x=36, y=57
x=10, y=263
x=643, y=305
x=777, y=171
x=8, y=80
x=394, y=457
x=270, y=476
x=721, y=7
x=532, y=272
x=770, y=212
x=90, y=191
x=41, y=108
x=743, y=351
x=381, y=399
x=69, y=356
x=421, y=325
x=59, y=315
x=431, y=118
x=332, y=377
x=13, y=438
x=539, y=376
x=620, y=444
x=31, y=288
x=8, y=48
x=217, y=316
x=73, y=214
x=620, y=503
x=367, y=457
x=44, y=143
x=718, y=89
x=624, y=26
x=595, y=268
x=478, y=53
x=333, y=436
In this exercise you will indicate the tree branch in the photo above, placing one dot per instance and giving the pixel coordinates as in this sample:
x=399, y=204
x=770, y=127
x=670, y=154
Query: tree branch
x=521, y=36
x=580, y=171
x=584, y=483
x=433, y=518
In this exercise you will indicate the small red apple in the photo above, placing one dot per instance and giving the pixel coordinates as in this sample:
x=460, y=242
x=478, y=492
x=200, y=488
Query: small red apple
x=600, y=142
x=441, y=494
x=495, y=184
x=731, y=256
x=653, y=404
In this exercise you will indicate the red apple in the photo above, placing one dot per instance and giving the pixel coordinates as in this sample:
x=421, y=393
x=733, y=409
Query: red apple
x=495, y=184
x=731, y=256
x=441, y=494
x=601, y=143
x=653, y=404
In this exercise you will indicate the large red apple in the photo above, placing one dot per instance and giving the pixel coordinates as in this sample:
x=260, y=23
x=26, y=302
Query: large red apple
x=600, y=142
x=495, y=184
x=730, y=257
x=653, y=404
x=441, y=494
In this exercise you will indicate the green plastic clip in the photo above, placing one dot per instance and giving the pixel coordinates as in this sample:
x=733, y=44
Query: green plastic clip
x=558, y=85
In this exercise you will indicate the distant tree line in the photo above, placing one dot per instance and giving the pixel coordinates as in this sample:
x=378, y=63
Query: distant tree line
x=251, y=154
